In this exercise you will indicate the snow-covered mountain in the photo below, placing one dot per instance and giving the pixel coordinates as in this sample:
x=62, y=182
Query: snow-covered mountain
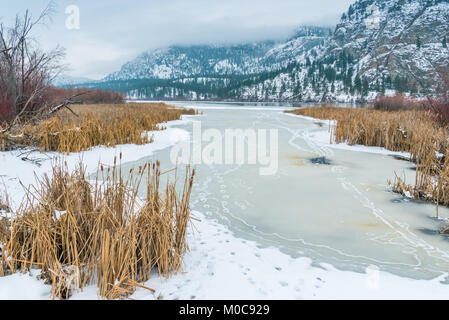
x=213, y=71
x=396, y=38
x=178, y=62
x=379, y=45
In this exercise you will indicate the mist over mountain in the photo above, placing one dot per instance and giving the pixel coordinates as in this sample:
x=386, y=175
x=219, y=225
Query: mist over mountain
x=378, y=46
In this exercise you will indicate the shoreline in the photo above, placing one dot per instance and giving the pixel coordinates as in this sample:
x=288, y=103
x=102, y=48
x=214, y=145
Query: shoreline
x=324, y=138
x=219, y=263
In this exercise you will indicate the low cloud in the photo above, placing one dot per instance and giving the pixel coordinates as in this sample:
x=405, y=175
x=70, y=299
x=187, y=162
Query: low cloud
x=112, y=32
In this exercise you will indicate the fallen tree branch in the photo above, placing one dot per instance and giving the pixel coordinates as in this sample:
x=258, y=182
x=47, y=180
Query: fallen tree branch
x=66, y=104
x=39, y=117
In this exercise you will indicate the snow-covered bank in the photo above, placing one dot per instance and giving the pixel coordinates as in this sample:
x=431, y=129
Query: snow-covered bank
x=222, y=266
x=323, y=137
x=14, y=170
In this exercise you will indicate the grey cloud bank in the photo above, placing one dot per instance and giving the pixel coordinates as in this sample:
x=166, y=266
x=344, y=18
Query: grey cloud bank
x=113, y=32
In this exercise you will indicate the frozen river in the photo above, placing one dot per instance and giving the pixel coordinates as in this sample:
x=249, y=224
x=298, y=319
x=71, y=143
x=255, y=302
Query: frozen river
x=328, y=203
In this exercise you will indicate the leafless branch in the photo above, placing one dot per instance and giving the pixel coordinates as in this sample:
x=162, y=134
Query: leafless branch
x=25, y=70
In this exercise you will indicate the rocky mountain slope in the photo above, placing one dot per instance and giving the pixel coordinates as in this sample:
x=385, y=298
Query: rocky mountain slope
x=396, y=38
x=378, y=46
x=179, y=62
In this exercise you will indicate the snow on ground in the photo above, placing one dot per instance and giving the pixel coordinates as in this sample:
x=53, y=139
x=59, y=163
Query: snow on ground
x=24, y=287
x=323, y=137
x=14, y=170
x=220, y=265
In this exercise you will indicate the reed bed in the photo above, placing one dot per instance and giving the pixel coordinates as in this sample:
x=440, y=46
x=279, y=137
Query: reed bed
x=94, y=125
x=415, y=131
x=80, y=233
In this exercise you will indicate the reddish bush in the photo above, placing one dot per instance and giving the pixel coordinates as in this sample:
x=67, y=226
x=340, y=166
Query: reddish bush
x=397, y=102
x=101, y=96
x=90, y=97
x=440, y=108
x=6, y=109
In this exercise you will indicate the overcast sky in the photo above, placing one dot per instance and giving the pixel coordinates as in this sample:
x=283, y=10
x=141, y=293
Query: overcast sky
x=112, y=32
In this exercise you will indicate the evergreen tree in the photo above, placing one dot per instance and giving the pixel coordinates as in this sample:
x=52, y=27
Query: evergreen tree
x=351, y=10
x=388, y=82
x=297, y=89
x=444, y=42
x=308, y=62
x=365, y=87
x=400, y=83
x=418, y=43
x=358, y=84
x=348, y=80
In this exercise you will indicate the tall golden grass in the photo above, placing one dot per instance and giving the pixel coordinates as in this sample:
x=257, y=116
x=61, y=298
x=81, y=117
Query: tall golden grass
x=108, y=125
x=4, y=209
x=79, y=233
x=415, y=131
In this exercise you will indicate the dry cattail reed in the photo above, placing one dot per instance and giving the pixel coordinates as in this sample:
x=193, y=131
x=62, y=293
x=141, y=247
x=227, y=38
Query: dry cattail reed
x=79, y=233
x=107, y=125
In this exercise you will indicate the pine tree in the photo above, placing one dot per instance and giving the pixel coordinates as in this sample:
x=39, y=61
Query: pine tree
x=365, y=87
x=358, y=84
x=444, y=42
x=418, y=43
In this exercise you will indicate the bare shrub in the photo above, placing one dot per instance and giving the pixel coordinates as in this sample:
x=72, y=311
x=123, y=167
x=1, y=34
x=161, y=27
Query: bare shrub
x=25, y=70
x=397, y=102
x=440, y=106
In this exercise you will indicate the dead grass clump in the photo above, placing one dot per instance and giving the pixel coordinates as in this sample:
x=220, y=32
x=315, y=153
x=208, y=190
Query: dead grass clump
x=431, y=181
x=95, y=125
x=104, y=125
x=4, y=222
x=78, y=233
x=4, y=211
